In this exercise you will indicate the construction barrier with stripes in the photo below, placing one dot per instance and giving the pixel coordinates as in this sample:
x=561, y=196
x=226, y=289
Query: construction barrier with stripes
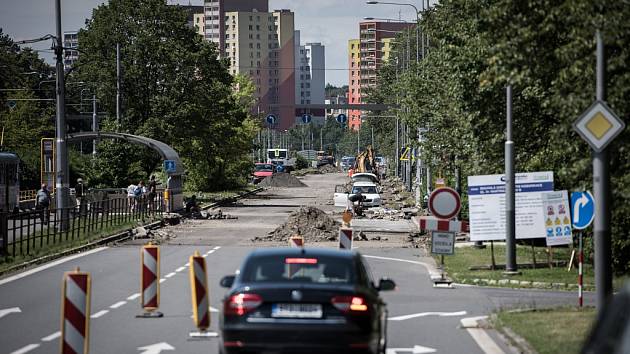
x=345, y=239
x=150, y=281
x=75, y=313
x=200, y=296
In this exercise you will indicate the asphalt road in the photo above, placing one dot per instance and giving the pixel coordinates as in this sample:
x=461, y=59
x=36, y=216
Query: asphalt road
x=420, y=315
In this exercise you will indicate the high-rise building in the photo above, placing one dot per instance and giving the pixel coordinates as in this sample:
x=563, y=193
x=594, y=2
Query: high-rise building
x=310, y=77
x=261, y=46
x=70, y=52
x=374, y=47
x=215, y=12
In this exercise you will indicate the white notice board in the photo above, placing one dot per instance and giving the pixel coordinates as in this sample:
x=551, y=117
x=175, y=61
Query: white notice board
x=486, y=203
x=557, y=218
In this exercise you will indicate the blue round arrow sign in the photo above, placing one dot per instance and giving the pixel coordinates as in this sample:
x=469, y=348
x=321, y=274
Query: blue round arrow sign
x=342, y=118
x=582, y=209
x=271, y=119
x=306, y=118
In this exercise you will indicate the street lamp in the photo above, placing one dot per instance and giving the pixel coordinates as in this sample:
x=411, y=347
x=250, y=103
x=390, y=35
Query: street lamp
x=417, y=20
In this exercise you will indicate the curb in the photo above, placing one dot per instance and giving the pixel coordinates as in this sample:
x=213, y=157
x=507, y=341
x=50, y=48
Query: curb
x=524, y=284
x=514, y=339
x=102, y=241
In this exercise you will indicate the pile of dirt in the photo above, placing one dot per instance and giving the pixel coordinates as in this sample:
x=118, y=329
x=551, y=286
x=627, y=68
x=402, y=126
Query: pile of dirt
x=328, y=169
x=309, y=222
x=281, y=180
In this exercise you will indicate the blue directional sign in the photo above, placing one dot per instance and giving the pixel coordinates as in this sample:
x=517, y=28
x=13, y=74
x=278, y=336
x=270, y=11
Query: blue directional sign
x=306, y=118
x=271, y=119
x=169, y=166
x=582, y=209
x=11, y=104
x=342, y=118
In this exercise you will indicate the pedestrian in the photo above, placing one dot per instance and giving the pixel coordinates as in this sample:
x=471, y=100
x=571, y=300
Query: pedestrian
x=42, y=202
x=152, y=193
x=130, y=196
x=138, y=195
x=79, y=194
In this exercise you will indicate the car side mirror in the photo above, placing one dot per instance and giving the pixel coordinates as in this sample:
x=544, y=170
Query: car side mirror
x=227, y=281
x=386, y=284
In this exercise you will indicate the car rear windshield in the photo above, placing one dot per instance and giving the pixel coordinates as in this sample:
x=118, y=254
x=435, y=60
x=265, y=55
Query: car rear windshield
x=300, y=269
x=364, y=189
x=266, y=167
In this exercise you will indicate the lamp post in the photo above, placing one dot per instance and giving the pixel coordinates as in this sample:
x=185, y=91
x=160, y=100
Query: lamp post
x=417, y=19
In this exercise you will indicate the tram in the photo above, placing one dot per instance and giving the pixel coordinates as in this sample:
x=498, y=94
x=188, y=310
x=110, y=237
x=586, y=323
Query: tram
x=9, y=181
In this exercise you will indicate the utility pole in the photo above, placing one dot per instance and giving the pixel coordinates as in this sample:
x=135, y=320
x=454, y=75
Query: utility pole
x=601, y=194
x=62, y=170
x=418, y=170
x=397, y=155
x=510, y=226
x=321, y=138
x=94, y=124
x=409, y=184
x=118, y=83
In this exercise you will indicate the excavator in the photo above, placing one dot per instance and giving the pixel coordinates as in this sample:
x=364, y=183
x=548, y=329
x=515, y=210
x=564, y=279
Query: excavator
x=365, y=162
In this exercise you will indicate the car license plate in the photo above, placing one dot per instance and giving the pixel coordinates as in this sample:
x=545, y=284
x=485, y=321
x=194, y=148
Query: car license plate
x=297, y=310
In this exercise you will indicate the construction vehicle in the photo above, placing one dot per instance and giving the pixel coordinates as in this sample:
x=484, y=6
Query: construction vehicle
x=365, y=162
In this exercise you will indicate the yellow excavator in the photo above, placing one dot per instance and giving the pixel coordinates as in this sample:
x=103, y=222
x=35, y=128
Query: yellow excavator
x=364, y=162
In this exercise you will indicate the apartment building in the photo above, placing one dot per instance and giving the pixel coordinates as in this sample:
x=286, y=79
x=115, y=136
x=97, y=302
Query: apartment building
x=261, y=46
x=214, y=16
x=310, y=78
x=70, y=52
x=374, y=49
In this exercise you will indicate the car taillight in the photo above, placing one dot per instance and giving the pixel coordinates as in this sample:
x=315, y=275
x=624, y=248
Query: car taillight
x=241, y=304
x=350, y=304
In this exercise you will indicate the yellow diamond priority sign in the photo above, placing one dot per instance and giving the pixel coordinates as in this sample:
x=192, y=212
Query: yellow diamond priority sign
x=599, y=125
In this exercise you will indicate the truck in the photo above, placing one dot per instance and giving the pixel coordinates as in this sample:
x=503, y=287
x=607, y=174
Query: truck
x=280, y=157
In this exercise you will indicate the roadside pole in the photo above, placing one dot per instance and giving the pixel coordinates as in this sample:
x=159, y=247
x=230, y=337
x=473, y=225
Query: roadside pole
x=62, y=185
x=580, y=270
x=118, y=83
x=94, y=124
x=601, y=194
x=397, y=149
x=510, y=227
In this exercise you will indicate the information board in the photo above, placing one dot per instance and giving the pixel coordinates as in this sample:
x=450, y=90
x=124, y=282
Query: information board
x=557, y=218
x=486, y=203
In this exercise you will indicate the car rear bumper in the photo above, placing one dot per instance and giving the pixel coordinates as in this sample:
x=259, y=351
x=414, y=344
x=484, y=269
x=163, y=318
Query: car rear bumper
x=298, y=337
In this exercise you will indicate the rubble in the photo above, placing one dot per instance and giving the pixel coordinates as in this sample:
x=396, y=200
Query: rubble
x=328, y=168
x=281, y=180
x=309, y=222
x=157, y=236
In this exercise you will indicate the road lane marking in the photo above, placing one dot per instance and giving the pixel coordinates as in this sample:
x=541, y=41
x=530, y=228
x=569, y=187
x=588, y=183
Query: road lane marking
x=169, y=274
x=187, y=265
x=51, y=337
x=162, y=280
x=424, y=314
x=99, y=314
x=9, y=311
x=26, y=349
x=212, y=309
x=216, y=248
x=50, y=265
x=480, y=335
x=133, y=297
x=118, y=304
x=205, y=255
x=428, y=267
x=180, y=269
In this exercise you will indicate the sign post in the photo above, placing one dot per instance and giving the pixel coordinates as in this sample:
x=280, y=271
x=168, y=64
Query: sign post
x=442, y=243
x=599, y=126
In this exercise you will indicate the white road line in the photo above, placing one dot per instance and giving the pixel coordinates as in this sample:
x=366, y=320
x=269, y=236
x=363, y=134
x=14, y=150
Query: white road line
x=216, y=248
x=212, y=309
x=133, y=297
x=162, y=280
x=205, y=255
x=169, y=275
x=26, y=349
x=483, y=339
x=99, y=314
x=118, y=304
x=187, y=265
x=50, y=265
x=180, y=269
x=52, y=337
x=428, y=267
x=424, y=314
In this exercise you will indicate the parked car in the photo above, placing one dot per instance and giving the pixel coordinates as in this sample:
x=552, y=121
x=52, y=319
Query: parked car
x=367, y=184
x=297, y=300
x=262, y=170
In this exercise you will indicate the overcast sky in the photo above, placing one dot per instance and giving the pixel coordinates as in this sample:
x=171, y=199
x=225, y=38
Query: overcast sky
x=331, y=22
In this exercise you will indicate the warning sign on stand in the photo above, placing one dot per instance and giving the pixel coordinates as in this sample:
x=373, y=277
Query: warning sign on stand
x=442, y=242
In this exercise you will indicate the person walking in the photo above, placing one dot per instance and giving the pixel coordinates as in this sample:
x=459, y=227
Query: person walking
x=79, y=194
x=152, y=193
x=42, y=203
x=138, y=195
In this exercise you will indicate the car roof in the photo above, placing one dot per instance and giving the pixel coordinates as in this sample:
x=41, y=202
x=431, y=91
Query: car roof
x=364, y=184
x=306, y=251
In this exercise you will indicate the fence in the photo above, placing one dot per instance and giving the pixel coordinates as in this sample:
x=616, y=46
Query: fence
x=26, y=232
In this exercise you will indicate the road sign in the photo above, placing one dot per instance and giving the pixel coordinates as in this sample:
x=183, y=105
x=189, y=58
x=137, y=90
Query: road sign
x=582, y=209
x=406, y=152
x=169, y=166
x=306, y=118
x=442, y=242
x=11, y=104
x=444, y=203
x=599, y=125
x=557, y=223
x=342, y=118
x=271, y=119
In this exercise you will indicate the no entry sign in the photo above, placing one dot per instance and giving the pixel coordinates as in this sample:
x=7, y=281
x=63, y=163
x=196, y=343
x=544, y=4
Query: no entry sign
x=444, y=203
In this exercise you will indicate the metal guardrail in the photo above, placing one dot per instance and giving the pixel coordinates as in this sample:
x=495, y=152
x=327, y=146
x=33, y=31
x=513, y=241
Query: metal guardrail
x=29, y=232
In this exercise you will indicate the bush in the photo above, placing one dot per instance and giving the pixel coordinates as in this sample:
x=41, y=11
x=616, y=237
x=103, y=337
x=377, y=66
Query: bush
x=301, y=163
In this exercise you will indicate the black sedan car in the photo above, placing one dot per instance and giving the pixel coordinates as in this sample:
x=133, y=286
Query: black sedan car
x=296, y=300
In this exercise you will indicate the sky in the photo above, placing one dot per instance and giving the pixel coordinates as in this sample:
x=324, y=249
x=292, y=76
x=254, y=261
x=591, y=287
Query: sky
x=330, y=22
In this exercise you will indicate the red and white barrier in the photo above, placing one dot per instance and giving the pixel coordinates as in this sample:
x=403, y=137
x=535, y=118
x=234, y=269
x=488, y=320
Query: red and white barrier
x=296, y=241
x=75, y=323
x=345, y=239
x=200, y=296
x=432, y=223
x=150, y=274
x=580, y=273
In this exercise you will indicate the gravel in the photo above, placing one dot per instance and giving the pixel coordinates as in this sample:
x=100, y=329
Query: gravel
x=281, y=180
x=309, y=222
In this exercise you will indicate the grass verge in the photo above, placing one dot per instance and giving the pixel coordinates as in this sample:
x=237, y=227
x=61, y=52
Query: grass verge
x=457, y=266
x=211, y=197
x=40, y=248
x=550, y=331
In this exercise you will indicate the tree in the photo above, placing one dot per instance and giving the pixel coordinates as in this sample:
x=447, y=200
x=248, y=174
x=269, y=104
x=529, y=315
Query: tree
x=175, y=89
